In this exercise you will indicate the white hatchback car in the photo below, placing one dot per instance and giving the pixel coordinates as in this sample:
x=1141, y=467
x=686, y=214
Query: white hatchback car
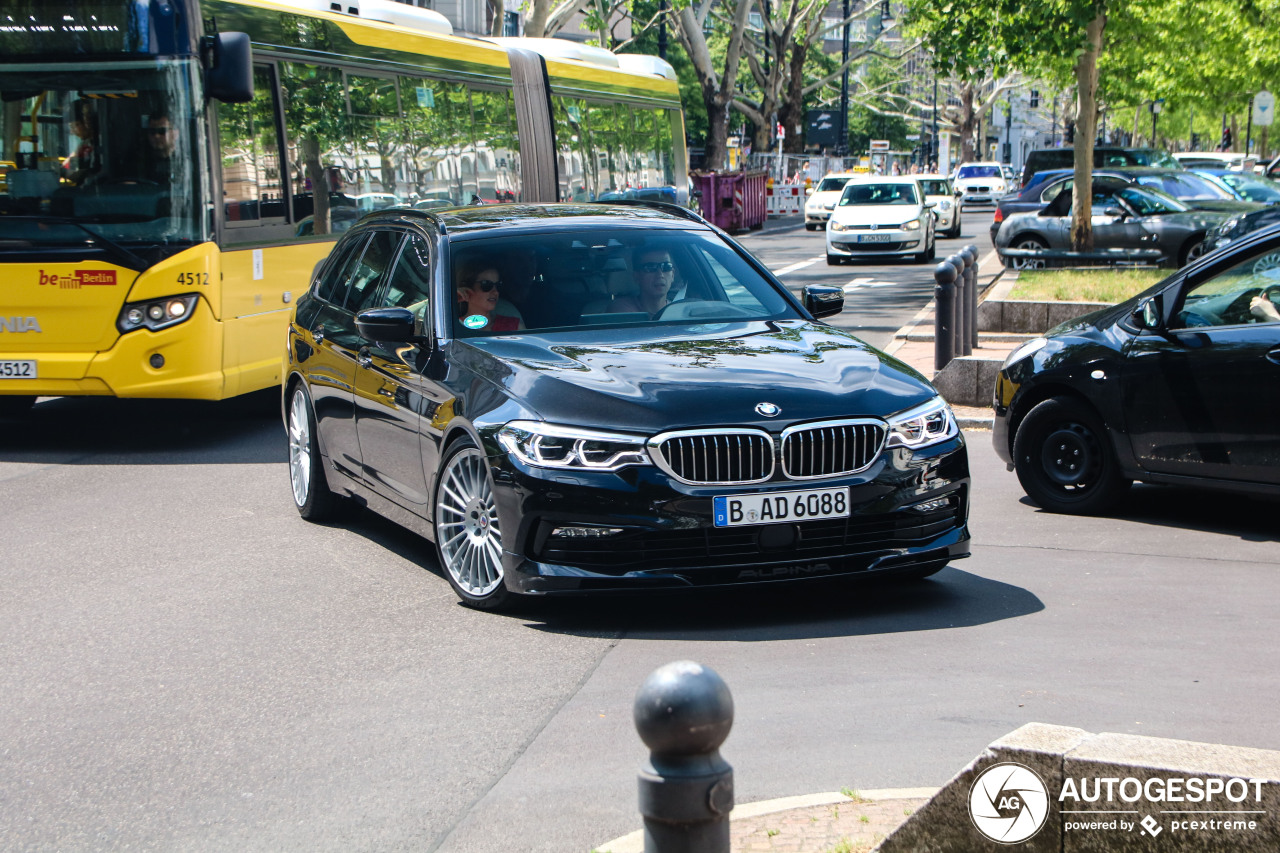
x=980, y=183
x=938, y=189
x=818, y=207
x=881, y=216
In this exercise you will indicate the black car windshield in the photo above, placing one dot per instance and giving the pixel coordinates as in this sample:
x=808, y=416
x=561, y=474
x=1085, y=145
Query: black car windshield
x=879, y=194
x=1185, y=186
x=979, y=172
x=832, y=185
x=570, y=280
x=111, y=146
x=1149, y=202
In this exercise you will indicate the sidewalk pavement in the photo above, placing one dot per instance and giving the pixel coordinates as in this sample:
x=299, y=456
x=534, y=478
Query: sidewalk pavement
x=848, y=821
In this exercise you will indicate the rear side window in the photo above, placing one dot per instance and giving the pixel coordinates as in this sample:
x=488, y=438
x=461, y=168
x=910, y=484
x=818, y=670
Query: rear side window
x=409, y=285
x=338, y=270
x=366, y=275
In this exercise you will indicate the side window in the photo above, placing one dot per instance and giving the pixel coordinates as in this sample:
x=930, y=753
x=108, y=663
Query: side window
x=366, y=275
x=1246, y=293
x=409, y=285
x=1052, y=192
x=333, y=287
x=250, y=156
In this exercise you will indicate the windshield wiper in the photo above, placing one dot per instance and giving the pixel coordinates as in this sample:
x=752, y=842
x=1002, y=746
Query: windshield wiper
x=131, y=259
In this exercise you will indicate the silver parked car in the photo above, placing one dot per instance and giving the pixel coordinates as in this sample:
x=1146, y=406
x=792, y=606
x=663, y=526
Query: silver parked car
x=1125, y=216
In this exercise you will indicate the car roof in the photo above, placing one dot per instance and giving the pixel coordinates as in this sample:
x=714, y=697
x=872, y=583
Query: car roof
x=522, y=217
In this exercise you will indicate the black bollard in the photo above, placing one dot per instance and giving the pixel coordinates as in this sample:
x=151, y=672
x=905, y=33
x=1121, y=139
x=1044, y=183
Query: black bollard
x=944, y=319
x=973, y=296
x=964, y=345
x=683, y=712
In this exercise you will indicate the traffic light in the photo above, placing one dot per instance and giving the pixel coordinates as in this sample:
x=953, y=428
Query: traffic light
x=1226, y=139
x=1071, y=132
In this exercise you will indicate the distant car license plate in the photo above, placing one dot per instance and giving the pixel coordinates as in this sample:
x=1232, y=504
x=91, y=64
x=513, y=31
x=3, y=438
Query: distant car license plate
x=17, y=370
x=776, y=507
x=873, y=238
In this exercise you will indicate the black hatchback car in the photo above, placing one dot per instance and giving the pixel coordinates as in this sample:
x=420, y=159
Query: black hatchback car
x=1177, y=385
x=568, y=398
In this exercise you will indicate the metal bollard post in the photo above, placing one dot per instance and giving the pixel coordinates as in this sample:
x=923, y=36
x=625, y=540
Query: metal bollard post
x=964, y=345
x=683, y=712
x=973, y=297
x=957, y=261
x=944, y=320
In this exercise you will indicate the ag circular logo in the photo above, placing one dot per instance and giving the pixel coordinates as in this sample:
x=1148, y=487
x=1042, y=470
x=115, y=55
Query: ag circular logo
x=1008, y=803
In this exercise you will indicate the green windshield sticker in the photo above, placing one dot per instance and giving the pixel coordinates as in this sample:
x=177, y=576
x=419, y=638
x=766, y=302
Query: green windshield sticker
x=475, y=321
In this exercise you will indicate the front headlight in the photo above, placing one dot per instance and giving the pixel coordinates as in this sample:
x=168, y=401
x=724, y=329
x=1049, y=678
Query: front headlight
x=945, y=204
x=913, y=225
x=545, y=445
x=156, y=314
x=836, y=226
x=924, y=425
x=1023, y=350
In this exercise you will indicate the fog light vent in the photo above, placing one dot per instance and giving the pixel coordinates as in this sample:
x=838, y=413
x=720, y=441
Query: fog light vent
x=931, y=506
x=585, y=532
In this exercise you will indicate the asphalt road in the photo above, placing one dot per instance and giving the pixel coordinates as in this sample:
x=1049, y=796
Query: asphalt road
x=187, y=665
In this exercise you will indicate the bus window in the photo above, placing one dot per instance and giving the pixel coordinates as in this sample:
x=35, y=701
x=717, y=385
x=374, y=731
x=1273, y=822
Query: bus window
x=375, y=119
x=497, y=153
x=573, y=144
x=251, y=189
x=316, y=131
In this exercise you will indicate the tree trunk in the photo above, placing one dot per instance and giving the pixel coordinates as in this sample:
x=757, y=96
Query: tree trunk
x=535, y=26
x=967, y=122
x=791, y=110
x=319, y=185
x=499, y=17
x=1086, y=132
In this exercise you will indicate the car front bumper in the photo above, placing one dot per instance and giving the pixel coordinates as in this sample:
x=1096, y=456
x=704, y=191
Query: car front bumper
x=662, y=534
x=844, y=244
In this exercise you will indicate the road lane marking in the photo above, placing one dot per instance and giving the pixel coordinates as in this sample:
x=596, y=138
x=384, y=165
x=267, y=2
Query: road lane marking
x=858, y=283
x=797, y=266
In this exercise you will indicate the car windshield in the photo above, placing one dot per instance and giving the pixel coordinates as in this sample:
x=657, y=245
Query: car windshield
x=936, y=187
x=832, y=185
x=564, y=282
x=1153, y=157
x=109, y=146
x=879, y=194
x=1251, y=188
x=1185, y=186
x=1149, y=202
x=979, y=172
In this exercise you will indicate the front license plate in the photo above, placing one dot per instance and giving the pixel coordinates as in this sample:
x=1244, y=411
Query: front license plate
x=17, y=370
x=873, y=238
x=777, y=507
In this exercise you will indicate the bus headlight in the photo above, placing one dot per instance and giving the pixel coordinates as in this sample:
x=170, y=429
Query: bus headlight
x=156, y=314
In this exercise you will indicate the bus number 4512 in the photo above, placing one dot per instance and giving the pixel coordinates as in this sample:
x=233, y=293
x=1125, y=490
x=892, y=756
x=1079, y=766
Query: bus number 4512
x=191, y=279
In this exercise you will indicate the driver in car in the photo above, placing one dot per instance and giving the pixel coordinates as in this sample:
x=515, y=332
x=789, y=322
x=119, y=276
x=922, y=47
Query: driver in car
x=654, y=273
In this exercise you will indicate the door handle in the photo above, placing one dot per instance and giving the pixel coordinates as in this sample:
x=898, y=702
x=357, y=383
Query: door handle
x=318, y=334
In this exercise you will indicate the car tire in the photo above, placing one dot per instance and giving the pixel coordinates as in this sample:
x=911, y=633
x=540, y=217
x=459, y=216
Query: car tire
x=16, y=406
x=468, y=535
x=833, y=261
x=311, y=493
x=955, y=229
x=1195, y=248
x=927, y=253
x=1034, y=243
x=1064, y=459
x=809, y=226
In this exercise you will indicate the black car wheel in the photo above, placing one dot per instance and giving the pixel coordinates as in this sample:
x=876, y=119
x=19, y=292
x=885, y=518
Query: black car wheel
x=834, y=260
x=1034, y=244
x=809, y=226
x=1064, y=458
x=16, y=407
x=1194, y=249
x=468, y=536
x=311, y=493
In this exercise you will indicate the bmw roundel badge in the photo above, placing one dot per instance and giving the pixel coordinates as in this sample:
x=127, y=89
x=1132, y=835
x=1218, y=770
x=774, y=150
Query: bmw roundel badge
x=769, y=410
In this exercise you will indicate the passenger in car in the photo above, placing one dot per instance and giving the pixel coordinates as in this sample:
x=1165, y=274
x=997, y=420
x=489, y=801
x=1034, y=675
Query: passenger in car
x=478, y=295
x=654, y=274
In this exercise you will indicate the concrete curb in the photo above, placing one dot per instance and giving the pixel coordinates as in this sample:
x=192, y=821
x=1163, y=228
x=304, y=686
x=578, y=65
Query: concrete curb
x=633, y=842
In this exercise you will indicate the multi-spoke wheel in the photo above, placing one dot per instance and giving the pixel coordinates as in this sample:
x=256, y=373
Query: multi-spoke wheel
x=468, y=536
x=1033, y=244
x=1064, y=458
x=311, y=493
x=1193, y=251
x=1266, y=263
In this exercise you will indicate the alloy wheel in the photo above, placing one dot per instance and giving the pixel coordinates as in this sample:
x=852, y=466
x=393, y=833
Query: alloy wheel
x=299, y=447
x=467, y=524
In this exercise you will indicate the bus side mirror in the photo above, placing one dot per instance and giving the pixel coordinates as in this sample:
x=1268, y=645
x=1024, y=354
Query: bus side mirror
x=228, y=61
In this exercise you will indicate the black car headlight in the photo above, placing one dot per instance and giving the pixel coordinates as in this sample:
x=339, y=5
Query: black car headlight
x=545, y=445
x=156, y=314
x=1023, y=350
x=924, y=425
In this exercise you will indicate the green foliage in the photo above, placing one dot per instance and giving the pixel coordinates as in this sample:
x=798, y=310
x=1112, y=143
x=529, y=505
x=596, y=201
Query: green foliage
x=695, y=109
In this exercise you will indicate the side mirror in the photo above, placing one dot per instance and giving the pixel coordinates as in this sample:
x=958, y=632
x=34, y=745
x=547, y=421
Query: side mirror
x=1114, y=211
x=387, y=325
x=1150, y=314
x=958, y=193
x=228, y=59
x=930, y=204
x=822, y=300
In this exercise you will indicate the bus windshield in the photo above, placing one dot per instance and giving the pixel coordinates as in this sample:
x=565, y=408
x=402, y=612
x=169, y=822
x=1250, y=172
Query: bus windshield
x=107, y=148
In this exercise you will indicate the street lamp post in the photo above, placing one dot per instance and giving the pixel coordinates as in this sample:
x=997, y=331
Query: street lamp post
x=842, y=146
x=934, y=147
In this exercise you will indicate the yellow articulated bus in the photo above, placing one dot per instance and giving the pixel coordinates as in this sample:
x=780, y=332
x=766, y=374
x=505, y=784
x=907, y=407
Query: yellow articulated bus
x=173, y=170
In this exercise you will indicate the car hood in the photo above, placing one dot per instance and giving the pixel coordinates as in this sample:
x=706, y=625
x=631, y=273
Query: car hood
x=652, y=380
x=825, y=200
x=877, y=214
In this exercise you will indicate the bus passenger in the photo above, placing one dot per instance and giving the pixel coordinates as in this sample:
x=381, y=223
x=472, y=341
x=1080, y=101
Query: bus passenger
x=84, y=162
